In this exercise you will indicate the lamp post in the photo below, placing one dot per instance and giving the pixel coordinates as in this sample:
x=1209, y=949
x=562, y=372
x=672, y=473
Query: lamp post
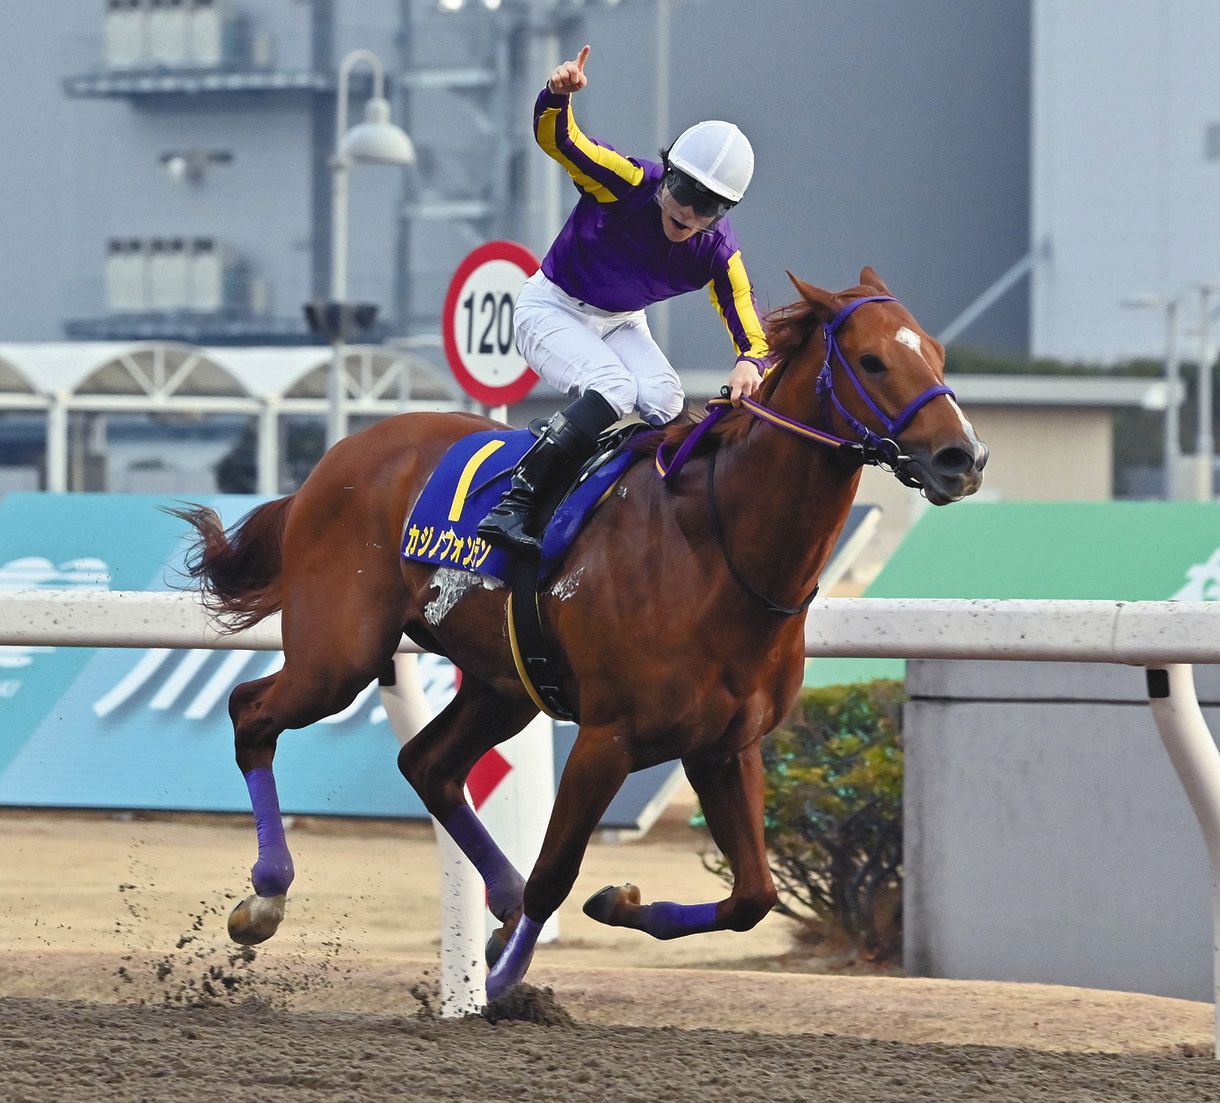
x=376, y=141
x=1173, y=384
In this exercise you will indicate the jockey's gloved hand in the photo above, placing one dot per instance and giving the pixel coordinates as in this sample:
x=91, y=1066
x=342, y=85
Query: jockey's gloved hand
x=744, y=380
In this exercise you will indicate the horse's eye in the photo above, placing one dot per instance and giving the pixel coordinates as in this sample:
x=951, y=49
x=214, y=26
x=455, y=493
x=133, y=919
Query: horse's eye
x=874, y=365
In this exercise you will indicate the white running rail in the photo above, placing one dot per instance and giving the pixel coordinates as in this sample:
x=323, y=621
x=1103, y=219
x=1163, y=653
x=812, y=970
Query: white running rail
x=1165, y=637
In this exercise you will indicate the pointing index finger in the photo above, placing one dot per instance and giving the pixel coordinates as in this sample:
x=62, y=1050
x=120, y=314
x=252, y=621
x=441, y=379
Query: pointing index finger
x=582, y=57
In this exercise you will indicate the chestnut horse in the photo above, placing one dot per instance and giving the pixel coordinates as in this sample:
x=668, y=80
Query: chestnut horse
x=676, y=617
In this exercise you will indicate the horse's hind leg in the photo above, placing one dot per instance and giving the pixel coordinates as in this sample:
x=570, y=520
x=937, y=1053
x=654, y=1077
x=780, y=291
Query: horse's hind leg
x=255, y=733
x=310, y=687
x=439, y=759
x=730, y=792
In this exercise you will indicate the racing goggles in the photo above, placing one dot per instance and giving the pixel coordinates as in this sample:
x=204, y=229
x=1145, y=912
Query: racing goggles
x=688, y=192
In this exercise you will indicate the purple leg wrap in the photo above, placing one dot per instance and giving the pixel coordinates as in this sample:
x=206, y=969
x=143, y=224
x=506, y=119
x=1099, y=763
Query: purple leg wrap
x=505, y=886
x=666, y=920
x=515, y=959
x=272, y=873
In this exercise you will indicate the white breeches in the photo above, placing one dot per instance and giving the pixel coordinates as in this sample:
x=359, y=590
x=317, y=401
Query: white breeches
x=576, y=347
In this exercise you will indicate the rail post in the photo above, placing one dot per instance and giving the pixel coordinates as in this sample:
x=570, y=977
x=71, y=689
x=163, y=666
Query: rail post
x=463, y=973
x=1195, y=757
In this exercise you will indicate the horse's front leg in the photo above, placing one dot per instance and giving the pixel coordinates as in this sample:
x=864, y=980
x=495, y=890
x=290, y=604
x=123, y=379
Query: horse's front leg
x=594, y=772
x=730, y=792
x=255, y=734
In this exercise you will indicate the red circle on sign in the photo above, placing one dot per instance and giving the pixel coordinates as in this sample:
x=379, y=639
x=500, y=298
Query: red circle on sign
x=492, y=252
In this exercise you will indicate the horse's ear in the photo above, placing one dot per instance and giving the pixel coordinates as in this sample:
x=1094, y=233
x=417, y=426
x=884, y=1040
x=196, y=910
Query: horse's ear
x=815, y=296
x=869, y=278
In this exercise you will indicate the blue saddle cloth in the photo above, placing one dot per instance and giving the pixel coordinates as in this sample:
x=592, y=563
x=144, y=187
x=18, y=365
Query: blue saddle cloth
x=471, y=477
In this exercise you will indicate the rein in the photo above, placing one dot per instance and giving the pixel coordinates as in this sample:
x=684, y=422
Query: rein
x=870, y=447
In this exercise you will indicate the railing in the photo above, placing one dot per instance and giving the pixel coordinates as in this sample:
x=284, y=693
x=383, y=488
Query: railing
x=1166, y=638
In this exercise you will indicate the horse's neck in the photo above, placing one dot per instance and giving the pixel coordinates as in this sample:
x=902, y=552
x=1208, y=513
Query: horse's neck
x=784, y=500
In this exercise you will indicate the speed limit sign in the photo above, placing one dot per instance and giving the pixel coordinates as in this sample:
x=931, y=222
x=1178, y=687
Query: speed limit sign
x=478, y=323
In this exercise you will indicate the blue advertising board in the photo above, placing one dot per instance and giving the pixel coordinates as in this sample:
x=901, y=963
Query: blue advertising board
x=149, y=729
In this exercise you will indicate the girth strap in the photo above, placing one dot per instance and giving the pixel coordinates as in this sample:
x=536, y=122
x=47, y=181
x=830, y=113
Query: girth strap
x=532, y=652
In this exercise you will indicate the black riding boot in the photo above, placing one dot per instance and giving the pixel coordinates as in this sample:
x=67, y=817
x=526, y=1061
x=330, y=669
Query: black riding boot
x=568, y=441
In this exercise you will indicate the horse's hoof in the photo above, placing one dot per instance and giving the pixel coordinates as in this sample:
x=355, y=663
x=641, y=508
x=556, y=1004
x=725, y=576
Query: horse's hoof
x=515, y=961
x=498, y=986
x=495, y=946
x=256, y=919
x=499, y=939
x=612, y=905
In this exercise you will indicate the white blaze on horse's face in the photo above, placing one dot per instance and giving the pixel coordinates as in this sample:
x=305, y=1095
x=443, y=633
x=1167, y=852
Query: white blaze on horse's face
x=910, y=338
x=967, y=428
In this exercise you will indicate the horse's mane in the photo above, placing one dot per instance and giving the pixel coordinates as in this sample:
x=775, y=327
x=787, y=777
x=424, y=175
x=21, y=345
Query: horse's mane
x=789, y=330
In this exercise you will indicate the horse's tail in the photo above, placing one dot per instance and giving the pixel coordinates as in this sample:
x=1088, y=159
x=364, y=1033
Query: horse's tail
x=238, y=571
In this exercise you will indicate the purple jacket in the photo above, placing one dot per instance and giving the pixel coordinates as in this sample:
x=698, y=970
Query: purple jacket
x=613, y=253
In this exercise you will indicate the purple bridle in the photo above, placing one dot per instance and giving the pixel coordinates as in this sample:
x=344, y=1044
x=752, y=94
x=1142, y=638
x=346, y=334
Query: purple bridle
x=870, y=447
x=884, y=448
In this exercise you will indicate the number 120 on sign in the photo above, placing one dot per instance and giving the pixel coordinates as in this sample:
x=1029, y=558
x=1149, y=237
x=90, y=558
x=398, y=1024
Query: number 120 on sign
x=478, y=323
x=495, y=324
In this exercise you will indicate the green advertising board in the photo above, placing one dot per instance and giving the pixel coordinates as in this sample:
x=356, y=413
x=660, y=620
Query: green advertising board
x=1110, y=551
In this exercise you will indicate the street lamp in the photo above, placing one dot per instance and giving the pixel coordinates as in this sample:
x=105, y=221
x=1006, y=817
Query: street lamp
x=1173, y=385
x=376, y=141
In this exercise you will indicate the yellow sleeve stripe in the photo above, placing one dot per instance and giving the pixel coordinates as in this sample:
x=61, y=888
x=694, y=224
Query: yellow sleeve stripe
x=755, y=343
x=615, y=164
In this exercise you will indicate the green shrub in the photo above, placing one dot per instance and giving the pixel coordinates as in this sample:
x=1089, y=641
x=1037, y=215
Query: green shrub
x=834, y=815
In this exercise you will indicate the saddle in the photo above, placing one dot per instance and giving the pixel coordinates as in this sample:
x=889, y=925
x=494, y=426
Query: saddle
x=471, y=477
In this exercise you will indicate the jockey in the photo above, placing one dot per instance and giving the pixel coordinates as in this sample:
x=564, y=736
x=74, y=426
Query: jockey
x=640, y=233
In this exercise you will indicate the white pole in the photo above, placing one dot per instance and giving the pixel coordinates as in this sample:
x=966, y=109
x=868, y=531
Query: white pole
x=268, y=452
x=1193, y=752
x=661, y=313
x=544, y=53
x=57, y=443
x=1173, y=401
x=336, y=413
x=1205, y=446
x=463, y=972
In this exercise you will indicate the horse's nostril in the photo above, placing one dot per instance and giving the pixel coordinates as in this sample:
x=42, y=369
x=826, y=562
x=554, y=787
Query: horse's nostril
x=953, y=461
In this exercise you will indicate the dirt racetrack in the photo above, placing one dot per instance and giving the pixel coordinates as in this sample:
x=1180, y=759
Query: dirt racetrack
x=117, y=982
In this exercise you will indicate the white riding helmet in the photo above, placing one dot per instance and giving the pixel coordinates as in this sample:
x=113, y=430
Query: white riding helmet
x=717, y=155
